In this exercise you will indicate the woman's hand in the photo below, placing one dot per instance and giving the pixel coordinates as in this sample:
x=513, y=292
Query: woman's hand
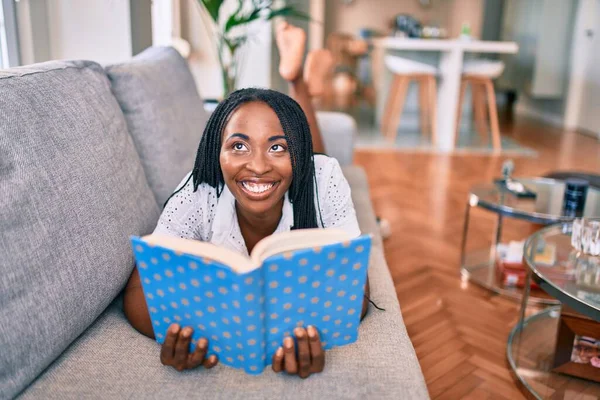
x=310, y=358
x=175, y=350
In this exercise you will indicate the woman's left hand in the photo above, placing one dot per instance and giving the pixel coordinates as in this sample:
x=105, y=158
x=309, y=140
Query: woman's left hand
x=310, y=358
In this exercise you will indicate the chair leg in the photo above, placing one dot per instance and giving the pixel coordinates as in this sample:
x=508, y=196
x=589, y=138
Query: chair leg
x=493, y=110
x=398, y=106
x=423, y=103
x=461, y=99
x=478, y=93
x=433, y=109
x=389, y=105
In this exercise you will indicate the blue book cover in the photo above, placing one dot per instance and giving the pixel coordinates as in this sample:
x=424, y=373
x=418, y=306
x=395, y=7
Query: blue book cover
x=245, y=307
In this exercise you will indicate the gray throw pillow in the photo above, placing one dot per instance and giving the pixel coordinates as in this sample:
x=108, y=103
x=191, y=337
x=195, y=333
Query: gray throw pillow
x=164, y=113
x=72, y=191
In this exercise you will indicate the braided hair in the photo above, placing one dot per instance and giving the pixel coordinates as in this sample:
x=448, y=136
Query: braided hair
x=207, y=168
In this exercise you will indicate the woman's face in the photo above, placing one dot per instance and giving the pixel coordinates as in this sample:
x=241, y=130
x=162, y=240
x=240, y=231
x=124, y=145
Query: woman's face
x=254, y=158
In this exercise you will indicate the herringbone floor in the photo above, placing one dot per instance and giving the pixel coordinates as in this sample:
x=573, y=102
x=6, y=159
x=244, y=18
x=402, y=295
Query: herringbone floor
x=459, y=330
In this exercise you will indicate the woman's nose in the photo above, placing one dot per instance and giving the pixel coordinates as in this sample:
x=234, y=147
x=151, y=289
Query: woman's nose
x=259, y=164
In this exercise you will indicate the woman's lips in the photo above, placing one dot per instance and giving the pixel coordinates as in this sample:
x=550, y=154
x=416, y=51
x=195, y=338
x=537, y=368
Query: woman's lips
x=257, y=190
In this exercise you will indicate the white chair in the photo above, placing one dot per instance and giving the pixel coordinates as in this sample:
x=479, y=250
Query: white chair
x=479, y=74
x=405, y=71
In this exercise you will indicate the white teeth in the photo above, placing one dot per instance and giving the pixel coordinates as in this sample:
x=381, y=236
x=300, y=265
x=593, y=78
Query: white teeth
x=257, y=187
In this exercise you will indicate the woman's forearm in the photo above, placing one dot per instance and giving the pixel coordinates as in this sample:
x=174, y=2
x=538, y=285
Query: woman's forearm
x=135, y=307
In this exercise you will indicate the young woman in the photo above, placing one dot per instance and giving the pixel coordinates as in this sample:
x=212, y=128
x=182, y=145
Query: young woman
x=255, y=174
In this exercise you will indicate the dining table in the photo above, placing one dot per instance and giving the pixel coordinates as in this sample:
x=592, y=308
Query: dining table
x=451, y=56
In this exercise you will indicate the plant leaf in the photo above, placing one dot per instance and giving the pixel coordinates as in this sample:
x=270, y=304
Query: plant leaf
x=236, y=20
x=288, y=11
x=213, y=7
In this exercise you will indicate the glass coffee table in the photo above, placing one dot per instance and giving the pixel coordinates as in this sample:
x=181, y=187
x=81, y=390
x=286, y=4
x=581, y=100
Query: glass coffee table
x=479, y=266
x=574, y=281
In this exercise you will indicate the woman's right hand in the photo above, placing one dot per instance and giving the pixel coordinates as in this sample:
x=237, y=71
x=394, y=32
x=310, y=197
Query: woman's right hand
x=175, y=351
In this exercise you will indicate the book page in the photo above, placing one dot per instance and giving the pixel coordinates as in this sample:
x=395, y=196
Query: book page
x=295, y=240
x=233, y=260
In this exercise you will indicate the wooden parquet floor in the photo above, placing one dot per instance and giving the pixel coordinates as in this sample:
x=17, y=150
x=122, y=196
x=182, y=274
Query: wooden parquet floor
x=458, y=329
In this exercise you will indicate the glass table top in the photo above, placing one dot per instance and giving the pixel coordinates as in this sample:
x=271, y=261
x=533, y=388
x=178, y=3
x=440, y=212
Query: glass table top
x=545, y=208
x=571, y=277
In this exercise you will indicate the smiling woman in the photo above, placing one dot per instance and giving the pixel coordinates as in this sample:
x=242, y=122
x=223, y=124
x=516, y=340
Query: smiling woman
x=255, y=174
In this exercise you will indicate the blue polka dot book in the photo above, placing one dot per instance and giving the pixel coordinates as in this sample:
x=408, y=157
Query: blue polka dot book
x=246, y=306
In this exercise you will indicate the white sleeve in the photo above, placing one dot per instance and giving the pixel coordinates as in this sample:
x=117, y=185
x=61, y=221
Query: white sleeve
x=182, y=216
x=337, y=209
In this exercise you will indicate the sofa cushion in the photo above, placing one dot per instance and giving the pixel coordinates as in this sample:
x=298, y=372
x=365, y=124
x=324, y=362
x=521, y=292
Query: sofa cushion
x=72, y=191
x=164, y=113
x=112, y=360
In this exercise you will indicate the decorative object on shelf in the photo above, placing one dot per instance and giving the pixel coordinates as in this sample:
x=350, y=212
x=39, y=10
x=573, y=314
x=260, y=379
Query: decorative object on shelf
x=577, y=346
x=405, y=25
x=509, y=184
x=585, y=237
x=575, y=196
x=230, y=34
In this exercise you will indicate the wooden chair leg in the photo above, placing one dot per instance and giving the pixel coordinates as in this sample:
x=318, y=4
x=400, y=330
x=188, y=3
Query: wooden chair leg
x=493, y=110
x=461, y=99
x=389, y=105
x=423, y=103
x=478, y=94
x=398, y=105
x=433, y=109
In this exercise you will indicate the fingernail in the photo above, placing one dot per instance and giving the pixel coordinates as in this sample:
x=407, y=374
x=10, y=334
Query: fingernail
x=174, y=328
x=202, y=343
x=288, y=342
x=299, y=332
x=311, y=331
x=279, y=352
x=186, y=332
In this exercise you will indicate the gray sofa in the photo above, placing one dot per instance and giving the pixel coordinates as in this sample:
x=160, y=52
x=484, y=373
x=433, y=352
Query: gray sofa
x=87, y=157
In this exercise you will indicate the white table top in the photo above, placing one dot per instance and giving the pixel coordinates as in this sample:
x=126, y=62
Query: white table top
x=475, y=46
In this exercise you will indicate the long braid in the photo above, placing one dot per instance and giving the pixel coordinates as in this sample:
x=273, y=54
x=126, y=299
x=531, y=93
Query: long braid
x=295, y=126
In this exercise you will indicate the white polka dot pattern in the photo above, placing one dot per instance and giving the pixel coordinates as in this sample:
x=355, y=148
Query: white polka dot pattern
x=246, y=317
x=301, y=295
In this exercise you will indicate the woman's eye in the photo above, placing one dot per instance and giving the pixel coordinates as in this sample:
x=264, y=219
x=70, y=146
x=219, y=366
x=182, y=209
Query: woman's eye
x=277, y=148
x=239, y=147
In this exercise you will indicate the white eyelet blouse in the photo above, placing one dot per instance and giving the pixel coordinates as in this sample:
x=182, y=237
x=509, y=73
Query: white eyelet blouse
x=202, y=216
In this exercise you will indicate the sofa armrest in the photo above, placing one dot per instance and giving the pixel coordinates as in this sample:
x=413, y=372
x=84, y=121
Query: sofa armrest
x=339, y=132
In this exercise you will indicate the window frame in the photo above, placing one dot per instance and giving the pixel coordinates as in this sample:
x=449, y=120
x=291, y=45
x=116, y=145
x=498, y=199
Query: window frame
x=9, y=36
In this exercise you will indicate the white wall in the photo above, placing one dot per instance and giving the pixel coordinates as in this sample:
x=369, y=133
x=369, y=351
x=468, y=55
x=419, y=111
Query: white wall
x=98, y=30
x=256, y=69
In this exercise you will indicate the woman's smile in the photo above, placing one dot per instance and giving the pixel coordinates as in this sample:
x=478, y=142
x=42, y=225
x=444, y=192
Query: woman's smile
x=258, y=189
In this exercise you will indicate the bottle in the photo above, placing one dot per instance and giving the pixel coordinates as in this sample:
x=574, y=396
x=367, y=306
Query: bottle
x=575, y=196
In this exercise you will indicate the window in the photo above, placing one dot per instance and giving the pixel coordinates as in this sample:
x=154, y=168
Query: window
x=9, y=47
x=3, y=45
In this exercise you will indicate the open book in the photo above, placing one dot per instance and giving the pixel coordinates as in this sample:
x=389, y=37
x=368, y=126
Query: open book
x=246, y=306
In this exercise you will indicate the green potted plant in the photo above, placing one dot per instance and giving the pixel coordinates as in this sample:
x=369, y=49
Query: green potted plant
x=230, y=33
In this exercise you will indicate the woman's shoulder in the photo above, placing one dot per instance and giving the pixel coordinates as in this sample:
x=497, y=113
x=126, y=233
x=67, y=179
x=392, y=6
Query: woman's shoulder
x=326, y=168
x=334, y=196
x=188, y=212
x=185, y=193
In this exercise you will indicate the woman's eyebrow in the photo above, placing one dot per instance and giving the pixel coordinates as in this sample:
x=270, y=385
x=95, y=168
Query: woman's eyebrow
x=240, y=135
x=273, y=138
